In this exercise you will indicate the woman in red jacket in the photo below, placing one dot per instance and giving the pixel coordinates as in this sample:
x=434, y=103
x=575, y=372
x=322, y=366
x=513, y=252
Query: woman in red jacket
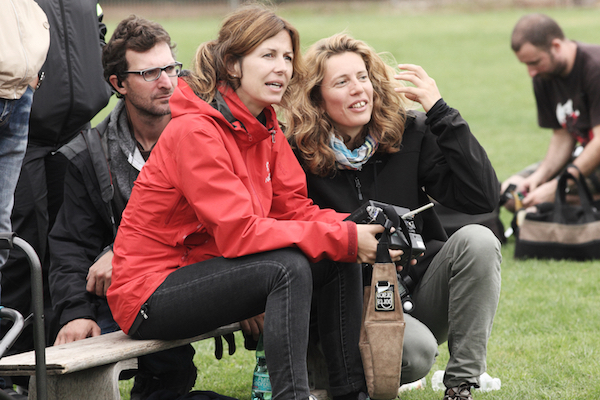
x=218, y=228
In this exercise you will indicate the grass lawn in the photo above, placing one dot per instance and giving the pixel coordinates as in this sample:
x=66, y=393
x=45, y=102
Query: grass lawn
x=545, y=339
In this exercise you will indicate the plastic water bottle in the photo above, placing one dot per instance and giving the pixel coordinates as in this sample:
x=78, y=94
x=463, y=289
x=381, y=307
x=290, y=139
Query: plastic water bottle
x=261, y=384
x=437, y=381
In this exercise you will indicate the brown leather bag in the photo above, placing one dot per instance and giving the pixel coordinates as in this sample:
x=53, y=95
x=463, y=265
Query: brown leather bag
x=382, y=333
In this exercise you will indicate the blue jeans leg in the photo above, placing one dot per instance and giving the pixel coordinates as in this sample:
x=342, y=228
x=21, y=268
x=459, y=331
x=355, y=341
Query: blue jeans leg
x=14, y=126
x=198, y=298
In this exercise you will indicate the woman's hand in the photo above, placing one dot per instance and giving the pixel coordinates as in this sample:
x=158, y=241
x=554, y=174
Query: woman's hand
x=367, y=244
x=253, y=326
x=424, y=91
x=412, y=262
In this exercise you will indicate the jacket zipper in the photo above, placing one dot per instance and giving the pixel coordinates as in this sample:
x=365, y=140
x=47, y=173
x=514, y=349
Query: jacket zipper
x=65, y=27
x=144, y=311
x=358, y=187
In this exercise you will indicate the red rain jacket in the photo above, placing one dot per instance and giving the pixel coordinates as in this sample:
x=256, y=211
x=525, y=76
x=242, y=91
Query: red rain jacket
x=218, y=183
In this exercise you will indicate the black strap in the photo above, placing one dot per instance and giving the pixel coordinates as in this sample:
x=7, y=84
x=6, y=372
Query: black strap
x=585, y=198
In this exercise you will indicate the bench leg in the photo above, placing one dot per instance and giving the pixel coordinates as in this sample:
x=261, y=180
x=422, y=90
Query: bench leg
x=99, y=383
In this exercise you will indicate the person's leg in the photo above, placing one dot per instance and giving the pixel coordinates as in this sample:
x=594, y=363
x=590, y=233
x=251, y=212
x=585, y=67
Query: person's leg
x=14, y=126
x=202, y=297
x=172, y=369
x=337, y=311
x=29, y=221
x=419, y=350
x=458, y=297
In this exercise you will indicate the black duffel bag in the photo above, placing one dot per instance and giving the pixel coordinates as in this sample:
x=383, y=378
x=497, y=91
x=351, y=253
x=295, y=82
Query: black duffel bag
x=560, y=230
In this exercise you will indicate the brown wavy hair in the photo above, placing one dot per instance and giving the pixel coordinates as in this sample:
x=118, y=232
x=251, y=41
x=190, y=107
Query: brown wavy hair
x=241, y=32
x=308, y=126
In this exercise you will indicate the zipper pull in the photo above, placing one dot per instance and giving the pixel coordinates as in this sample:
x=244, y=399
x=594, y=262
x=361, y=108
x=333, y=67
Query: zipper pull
x=358, y=186
x=143, y=311
x=273, y=136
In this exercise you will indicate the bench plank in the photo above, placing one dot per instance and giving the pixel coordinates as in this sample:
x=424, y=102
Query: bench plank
x=97, y=351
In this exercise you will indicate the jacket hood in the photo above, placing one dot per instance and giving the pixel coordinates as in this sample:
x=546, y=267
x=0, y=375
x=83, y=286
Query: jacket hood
x=227, y=110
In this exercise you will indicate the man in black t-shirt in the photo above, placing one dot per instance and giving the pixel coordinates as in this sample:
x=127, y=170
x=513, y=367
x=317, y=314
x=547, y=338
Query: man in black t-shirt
x=566, y=82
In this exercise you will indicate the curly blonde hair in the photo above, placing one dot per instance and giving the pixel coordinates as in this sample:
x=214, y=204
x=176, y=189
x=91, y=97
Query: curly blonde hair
x=308, y=126
x=241, y=32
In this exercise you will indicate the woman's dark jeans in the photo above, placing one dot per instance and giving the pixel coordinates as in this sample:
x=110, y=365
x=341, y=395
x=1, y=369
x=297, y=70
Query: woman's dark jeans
x=201, y=297
x=336, y=321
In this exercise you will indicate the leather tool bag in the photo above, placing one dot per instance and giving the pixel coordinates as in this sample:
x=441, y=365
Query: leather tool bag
x=382, y=331
x=560, y=230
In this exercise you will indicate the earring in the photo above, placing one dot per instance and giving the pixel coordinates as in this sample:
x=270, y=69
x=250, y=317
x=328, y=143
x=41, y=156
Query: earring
x=234, y=76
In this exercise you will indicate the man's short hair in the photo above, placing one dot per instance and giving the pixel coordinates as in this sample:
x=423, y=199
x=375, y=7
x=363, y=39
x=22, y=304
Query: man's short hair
x=133, y=33
x=538, y=29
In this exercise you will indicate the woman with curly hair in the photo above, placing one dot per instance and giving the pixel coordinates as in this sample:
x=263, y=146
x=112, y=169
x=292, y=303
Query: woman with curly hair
x=357, y=141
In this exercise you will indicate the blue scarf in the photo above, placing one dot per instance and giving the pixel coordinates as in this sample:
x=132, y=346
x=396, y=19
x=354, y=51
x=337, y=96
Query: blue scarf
x=355, y=159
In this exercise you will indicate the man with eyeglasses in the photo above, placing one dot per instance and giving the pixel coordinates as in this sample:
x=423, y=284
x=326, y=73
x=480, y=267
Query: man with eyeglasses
x=103, y=164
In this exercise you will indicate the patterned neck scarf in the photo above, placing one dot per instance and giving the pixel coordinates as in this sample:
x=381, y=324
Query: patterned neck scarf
x=355, y=159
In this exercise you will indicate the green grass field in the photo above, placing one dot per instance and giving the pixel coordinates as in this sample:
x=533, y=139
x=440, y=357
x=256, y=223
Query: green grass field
x=545, y=339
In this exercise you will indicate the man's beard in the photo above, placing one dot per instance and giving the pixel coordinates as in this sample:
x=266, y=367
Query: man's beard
x=148, y=109
x=558, y=70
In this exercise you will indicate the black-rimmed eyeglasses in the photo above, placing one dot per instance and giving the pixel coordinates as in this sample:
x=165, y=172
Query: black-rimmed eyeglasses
x=152, y=74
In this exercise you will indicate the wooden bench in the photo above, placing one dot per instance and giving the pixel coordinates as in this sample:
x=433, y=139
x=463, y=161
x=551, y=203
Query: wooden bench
x=89, y=368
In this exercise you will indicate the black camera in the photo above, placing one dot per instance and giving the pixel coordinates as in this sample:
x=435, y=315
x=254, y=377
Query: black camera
x=405, y=236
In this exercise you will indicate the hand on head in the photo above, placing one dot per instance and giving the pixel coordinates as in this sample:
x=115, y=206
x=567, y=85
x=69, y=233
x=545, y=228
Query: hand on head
x=424, y=91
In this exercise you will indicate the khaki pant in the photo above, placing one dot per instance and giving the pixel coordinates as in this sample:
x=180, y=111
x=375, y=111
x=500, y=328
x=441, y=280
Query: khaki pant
x=455, y=301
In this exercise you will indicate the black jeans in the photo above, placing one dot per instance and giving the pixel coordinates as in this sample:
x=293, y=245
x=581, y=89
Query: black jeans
x=198, y=298
x=337, y=302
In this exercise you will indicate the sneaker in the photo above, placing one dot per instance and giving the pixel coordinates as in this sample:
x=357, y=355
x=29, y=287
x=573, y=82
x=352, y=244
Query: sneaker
x=462, y=392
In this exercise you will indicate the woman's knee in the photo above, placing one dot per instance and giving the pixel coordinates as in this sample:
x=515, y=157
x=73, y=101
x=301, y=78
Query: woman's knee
x=293, y=264
x=478, y=241
x=477, y=237
x=420, y=350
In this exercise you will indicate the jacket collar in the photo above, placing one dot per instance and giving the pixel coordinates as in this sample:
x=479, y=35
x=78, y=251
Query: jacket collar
x=243, y=122
x=226, y=109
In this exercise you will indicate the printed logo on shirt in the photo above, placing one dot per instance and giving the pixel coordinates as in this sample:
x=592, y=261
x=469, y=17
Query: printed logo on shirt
x=565, y=113
x=567, y=117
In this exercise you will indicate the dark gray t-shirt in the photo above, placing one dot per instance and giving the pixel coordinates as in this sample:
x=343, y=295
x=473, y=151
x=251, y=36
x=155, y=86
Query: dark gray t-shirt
x=572, y=102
